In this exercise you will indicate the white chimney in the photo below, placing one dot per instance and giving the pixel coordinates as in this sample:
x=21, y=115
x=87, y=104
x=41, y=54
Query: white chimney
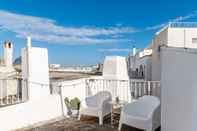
x=134, y=51
x=8, y=53
x=28, y=41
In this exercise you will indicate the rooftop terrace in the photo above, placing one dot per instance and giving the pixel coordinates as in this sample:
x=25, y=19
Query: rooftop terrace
x=72, y=124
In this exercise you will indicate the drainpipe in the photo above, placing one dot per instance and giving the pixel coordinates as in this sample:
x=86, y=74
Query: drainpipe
x=28, y=64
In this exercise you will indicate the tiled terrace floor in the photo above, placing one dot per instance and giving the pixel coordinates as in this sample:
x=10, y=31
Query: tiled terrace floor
x=86, y=124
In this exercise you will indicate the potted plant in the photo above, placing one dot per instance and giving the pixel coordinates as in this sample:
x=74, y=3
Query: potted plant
x=73, y=106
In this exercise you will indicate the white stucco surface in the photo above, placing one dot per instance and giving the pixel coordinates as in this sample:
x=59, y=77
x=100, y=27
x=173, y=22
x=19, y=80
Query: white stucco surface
x=170, y=37
x=40, y=105
x=35, y=70
x=115, y=67
x=70, y=89
x=31, y=112
x=179, y=92
x=182, y=37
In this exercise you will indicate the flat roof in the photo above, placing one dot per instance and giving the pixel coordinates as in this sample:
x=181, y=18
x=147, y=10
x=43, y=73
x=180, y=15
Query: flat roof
x=178, y=25
x=182, y=24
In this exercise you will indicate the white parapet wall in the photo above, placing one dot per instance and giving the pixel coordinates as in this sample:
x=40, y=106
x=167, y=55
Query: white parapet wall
x=29, y=113
x=179, y=92
x=40, y=105
x=70, y=89
x=115, y=67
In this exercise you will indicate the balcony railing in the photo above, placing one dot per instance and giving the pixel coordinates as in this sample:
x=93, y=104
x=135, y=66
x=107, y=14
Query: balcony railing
x=11, y=91
x=140, y=88
x=117, y=88
x=125, y=90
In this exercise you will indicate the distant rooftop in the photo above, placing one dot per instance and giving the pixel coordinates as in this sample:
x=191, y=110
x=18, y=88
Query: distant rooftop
x=183, y=24
x=178, y=25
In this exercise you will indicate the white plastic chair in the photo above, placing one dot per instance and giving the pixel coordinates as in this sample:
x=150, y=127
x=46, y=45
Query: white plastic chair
x=142, y=114
x=97, y=105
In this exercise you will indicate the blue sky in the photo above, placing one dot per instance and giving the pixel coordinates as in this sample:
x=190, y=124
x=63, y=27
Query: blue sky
x=83, y=32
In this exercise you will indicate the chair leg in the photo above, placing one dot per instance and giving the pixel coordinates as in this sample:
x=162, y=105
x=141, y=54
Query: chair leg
x=100, y=120
x=79, y=117
x=120, y=126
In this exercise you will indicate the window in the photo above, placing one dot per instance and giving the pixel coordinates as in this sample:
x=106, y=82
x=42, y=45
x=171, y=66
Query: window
x=194, y=40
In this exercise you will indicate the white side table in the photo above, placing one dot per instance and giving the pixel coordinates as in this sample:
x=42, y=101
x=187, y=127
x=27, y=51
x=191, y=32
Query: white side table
x=115, y=112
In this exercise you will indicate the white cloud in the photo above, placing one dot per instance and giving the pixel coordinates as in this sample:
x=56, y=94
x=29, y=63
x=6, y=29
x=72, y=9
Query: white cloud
x=155, y=27
x=177, y=19
x=114, y=50
x=47, y=30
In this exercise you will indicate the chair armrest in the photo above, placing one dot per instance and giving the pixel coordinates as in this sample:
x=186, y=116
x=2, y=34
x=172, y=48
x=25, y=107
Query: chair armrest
x=89, y=101
x=83, y=104
x=104, y=103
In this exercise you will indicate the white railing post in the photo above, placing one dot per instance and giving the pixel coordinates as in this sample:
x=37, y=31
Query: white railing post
x=134, y=90
x=6, y=81
x=149, y=88
x=144, y=92
x=62, y=99
x=1, y=92
x=87, y=87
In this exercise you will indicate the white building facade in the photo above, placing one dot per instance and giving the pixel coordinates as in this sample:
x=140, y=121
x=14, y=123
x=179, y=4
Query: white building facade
x=174, y=64
x=180, y=35
x=140, y=64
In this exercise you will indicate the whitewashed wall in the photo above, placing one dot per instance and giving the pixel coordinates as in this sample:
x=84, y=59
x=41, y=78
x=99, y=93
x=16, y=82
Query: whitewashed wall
x=160, y=39
x=31, y=112
x=70, y=89
x=182, y=37
x=171, y=37
x=115, y=67
x=35, y=70
x=179, y=92
x=74, y=88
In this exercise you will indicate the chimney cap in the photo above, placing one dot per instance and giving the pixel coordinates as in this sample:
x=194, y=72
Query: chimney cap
x=8, y=44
